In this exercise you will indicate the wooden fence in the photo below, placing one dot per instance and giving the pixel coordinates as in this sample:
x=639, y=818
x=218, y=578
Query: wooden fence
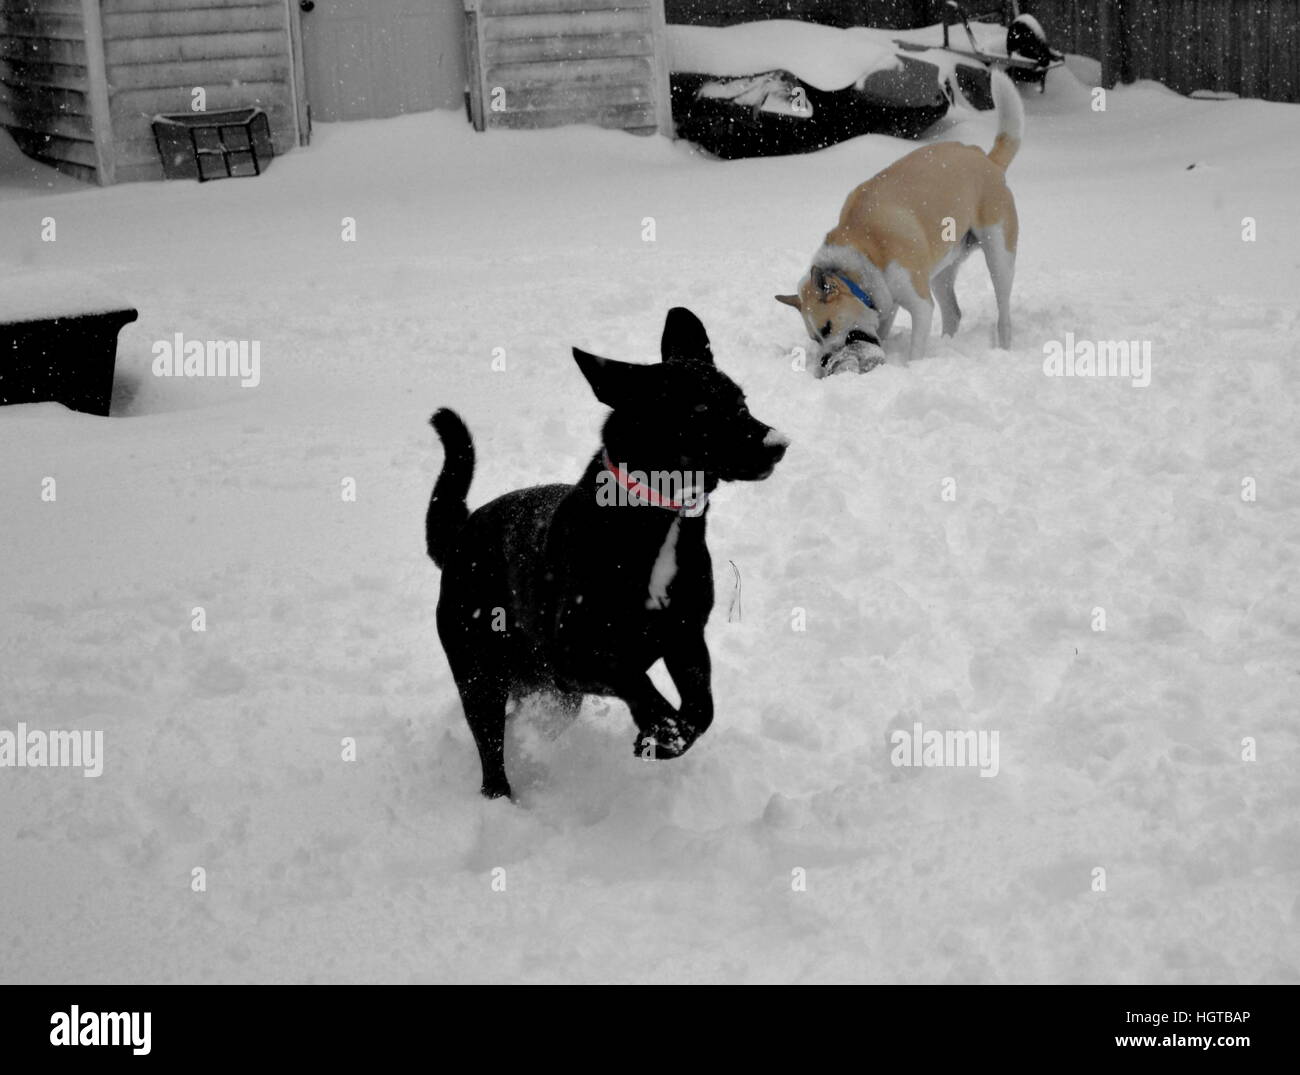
x=1250, y=48
x=887, y=14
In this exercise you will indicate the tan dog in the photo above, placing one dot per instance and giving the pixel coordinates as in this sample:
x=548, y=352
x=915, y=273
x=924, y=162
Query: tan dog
x=904, y=233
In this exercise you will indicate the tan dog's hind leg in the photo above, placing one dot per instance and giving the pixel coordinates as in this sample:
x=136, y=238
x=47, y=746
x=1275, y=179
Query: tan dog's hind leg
x=1001, y=261
x=943, y=283
x=998, y=231
x=946, y=297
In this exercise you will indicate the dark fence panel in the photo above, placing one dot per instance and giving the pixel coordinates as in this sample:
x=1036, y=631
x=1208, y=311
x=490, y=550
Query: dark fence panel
x=1249, y=47
x=887, y=14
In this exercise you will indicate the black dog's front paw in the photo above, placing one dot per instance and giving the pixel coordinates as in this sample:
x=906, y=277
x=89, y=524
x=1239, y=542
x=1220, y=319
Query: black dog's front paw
x=670, y=737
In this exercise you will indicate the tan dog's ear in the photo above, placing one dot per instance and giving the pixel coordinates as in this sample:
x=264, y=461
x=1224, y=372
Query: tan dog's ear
x=789, y=300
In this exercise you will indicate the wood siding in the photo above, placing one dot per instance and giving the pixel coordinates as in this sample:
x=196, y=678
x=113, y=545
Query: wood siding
x=158, y=51
x=44, y=85
x=554, y=62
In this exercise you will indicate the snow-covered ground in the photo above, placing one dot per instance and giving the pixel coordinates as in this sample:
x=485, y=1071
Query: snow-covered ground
x=1119, y=749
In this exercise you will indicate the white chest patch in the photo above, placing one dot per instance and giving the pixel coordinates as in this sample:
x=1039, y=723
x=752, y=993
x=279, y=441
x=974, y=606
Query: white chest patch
x=665, y=568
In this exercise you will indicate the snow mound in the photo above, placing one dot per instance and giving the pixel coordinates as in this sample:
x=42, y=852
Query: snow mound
x=824, y=57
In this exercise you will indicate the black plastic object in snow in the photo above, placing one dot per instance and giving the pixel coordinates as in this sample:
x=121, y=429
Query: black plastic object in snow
x=772, y=113
x=213, y=145
x=67, y=359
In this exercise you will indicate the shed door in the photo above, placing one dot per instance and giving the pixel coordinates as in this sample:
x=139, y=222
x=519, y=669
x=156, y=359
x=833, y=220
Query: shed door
x=371, y=58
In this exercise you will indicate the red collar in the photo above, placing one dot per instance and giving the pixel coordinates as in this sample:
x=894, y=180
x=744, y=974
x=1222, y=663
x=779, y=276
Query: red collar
x=688, y=506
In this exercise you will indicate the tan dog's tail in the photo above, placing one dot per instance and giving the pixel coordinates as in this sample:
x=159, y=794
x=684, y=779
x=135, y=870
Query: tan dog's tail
x=1011, y=120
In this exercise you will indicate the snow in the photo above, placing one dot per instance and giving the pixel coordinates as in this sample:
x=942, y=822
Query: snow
x=27, y=295
x=1118, y=749
x=824, y=57
x=20, y=176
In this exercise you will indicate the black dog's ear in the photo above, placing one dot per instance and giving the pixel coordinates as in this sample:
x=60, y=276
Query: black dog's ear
x=616, y=384
x=684, y=338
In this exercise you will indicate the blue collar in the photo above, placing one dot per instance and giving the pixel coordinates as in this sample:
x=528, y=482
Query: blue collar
x=858, y=293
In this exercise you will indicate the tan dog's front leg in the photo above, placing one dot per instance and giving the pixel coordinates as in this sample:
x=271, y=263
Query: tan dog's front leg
x=887, y=315
x=913, y=293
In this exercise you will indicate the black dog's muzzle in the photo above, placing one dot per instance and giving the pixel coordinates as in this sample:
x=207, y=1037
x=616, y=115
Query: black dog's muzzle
x=857, y=334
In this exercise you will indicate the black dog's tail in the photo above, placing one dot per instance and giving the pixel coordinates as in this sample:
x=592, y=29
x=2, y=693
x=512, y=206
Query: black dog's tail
x=447, y=508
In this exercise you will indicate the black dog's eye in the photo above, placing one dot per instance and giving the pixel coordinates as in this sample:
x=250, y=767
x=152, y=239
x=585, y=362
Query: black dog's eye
x=701, y=408
x=826, y=330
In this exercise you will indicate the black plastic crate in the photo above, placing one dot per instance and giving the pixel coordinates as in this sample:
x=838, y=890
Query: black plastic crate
x=214, y=145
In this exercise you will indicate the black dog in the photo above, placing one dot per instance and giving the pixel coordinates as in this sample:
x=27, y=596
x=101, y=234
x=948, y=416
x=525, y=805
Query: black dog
x=579, y=589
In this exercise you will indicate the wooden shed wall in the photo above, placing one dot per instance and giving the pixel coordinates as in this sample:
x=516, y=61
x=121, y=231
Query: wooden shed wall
x=44, y=89
x=554, y=62
x=158, y=51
